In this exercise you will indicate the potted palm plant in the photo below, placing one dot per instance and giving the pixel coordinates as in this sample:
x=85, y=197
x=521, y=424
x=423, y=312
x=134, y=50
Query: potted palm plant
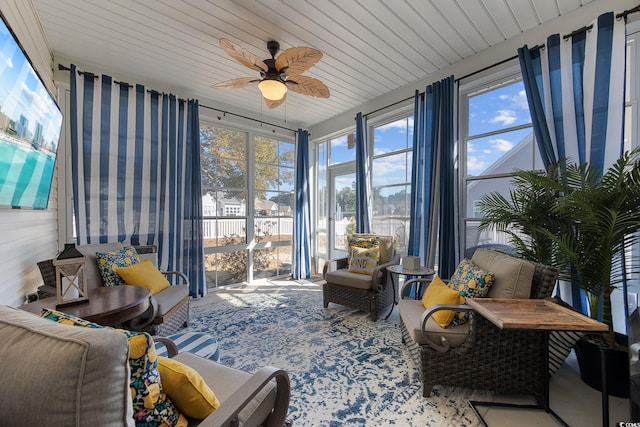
x=584, y=223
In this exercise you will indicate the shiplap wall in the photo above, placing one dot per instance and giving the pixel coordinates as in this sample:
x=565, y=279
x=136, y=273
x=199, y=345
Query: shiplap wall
x=27, y=236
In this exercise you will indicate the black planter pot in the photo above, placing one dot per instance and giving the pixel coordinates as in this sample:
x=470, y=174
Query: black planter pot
x=617, y=362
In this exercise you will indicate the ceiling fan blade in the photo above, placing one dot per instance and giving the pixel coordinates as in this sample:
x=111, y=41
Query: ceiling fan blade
x=274, y=104
x=237, y=83
x=308, y=86
x=243, y=56
x=296, y=60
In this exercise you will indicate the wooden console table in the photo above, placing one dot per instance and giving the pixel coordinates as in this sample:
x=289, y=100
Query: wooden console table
x=107, y=305
x=533, y=314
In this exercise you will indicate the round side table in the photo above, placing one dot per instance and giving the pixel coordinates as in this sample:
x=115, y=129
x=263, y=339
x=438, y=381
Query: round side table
x=397, y=270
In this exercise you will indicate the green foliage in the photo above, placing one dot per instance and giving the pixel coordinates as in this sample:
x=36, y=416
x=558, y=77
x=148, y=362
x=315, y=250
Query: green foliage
x=576, y=219
x=223, y=156
x=346, y=199
x=527, y=214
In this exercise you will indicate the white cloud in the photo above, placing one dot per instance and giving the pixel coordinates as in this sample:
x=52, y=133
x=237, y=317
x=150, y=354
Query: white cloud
x=398, y=124
x=501, y=144
x=470, y=147
x=339, y=142
x=475, y=165
x=520, y=100
x=505, y=117
x=379, y=151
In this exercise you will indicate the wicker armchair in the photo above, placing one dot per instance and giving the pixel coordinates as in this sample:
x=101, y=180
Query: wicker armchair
x=478, y=354
x=373, y=294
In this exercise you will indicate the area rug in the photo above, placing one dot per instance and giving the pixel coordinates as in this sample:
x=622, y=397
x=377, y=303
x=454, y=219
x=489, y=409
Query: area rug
x=344, y=368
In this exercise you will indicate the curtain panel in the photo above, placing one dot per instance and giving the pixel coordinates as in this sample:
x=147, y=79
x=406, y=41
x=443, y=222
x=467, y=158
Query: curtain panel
x=363, y=181
x=136, y=171
x=575, y=91
x=302, y=230
x=433, y=221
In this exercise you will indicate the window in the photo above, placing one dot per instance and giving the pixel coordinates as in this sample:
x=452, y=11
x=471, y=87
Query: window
x=342, y=149
x=391, y=179
x=322, y=206
x=632, y=112
x=496, y=139
x=274, y=205
x=248, y=229
x=224, y=201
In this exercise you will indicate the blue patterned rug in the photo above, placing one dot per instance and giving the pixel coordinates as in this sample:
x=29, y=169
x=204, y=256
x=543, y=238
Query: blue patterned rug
x=344, y=369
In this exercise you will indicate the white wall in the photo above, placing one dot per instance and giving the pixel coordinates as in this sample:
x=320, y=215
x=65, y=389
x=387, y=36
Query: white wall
x=27, y=236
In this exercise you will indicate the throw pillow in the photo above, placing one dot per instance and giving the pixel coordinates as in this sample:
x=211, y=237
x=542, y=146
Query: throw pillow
x=108, y=260
x=471, y=282
x=363, y=261
x=186, y=388
x=144, y=274
x=151, y=406
x=439, y=293
x=366, y=242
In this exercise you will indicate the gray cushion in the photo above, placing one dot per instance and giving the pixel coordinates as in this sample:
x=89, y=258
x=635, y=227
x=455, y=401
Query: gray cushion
x=513, y=276
x=411, y=314
x=353, y=280
x=169, y=297
x=55, y=375
x=94, y=278
x=224, y=381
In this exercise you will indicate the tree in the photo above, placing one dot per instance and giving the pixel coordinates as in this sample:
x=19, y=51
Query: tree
x=287, y=199
x=346, y=199
x=224, y=161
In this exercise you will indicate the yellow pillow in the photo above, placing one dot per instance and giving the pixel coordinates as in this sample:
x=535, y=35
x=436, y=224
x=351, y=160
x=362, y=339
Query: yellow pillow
x=439, y=293
x=144, y=274
x=186, y=388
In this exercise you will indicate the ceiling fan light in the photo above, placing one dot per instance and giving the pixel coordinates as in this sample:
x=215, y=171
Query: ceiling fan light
x=273, y=90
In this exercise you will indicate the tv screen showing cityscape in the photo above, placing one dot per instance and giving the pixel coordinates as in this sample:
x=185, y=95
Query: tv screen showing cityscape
x=30, y=123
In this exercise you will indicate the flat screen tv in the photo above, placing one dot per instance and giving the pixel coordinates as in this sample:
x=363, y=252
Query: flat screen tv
x=30, y=122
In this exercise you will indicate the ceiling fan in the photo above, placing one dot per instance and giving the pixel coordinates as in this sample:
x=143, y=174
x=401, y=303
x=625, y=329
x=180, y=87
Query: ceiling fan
x=276, y=74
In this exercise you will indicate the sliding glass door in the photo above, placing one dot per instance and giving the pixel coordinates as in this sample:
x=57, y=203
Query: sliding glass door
x=342, y=208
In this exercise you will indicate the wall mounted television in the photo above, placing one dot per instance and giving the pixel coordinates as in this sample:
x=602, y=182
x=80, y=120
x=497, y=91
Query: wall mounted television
x=30, y=124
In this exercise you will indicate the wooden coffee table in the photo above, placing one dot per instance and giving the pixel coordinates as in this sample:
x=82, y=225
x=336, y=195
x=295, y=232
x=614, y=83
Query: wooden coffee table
x=107, y=305
x=534, y=314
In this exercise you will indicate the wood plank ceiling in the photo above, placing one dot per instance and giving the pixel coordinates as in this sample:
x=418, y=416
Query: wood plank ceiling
x=370, y=47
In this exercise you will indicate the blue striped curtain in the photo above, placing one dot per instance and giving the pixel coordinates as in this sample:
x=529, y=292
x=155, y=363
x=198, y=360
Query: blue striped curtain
x=302, y=231
x=575, y=91
x=433, y=178
x=136, y=171
x=363, y=184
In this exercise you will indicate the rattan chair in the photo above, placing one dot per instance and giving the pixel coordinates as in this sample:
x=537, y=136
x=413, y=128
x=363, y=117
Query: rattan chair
x=479, y=355
x=373, y=294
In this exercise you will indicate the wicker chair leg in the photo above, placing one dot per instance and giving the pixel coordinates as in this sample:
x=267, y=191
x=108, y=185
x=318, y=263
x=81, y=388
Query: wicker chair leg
x=427, y=389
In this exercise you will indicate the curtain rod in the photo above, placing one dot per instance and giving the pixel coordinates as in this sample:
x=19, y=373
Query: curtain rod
x=262, y=122
x=488, y=67
x=622, y=15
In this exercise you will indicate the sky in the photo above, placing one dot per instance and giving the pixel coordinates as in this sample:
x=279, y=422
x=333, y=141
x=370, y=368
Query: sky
x=22, y=93
x=489, y=112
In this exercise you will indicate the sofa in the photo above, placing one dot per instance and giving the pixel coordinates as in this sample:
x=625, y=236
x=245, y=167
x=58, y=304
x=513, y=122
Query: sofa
x=171, y=309
x=63, y=375
x=477, y=354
